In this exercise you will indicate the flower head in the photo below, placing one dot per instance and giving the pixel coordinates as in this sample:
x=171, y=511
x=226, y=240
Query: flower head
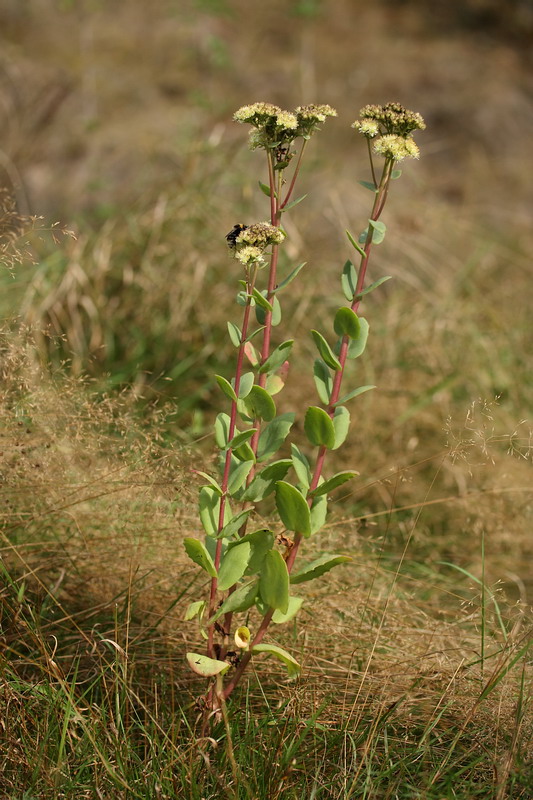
x=249, y=245
x=275, y=129
x=396, y=147
x=249, y=255
x=393, y=124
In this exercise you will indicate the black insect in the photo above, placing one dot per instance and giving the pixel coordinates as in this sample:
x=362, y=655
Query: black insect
x=231, y=237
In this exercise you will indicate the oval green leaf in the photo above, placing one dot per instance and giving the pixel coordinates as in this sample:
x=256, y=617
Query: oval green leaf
x=326, y=353
x=290, y=277
x=233, y=565
x=275, y=318
x=273, y=435
x=354, y=393
x=274, y=581
x=222, y=425
x=197, y=552
x=245, y=384
x=293, y=668
x=319, y=512
x=349, y=280
x=277, y=357
x=323, y=380
x=234, y=524
x=318, y=567
x=293, y=508
x=346, y=322
x=357, y=346
x=295, y=603
x=264, y=482
x=241, y=599
x=206, y=667
x=234, y=334
x=238, y=475
x=341, y=424
x=260, y=405
x=332, y=483
x=226, y=387
x=319, y=427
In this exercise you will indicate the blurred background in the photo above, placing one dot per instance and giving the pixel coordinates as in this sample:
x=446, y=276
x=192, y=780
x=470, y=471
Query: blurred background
x=116, y=123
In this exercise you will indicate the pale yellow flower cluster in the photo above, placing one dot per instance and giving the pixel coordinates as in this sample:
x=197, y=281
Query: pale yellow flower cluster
x=253, y=240
x=393, y=124
x=275, y=129
x=396, y=147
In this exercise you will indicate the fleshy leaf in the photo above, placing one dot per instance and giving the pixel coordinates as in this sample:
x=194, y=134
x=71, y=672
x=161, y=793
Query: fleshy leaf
x=209, y=508
x=198, y=553
x=349, y=280
x=226, y=387
x=332, y=483
x=274, y=384
x=290, y=277
x=373, y=286
x=357, y=246
x=277, y=357
x=379, y=230
x=323, y=380
x=206, y=667
x=294, y=203
x=295, y=603
x=234, y=524
x=301, y=466
x=238, y=475
x=241, y=438
x=319, y=427
x=261, y=300
x=357, y=346
x=273, y=435
x=265, y=189
x=241, y=599
x=260, y=405
x=318, y=567
x=275, y=318
x=293, y=668
x=368, y=185
x=222, y=424
x=274, y=581
x=195, y=610
x=354, y=393
x=233, y=565
x=293, y=508
x=325, y=351
x=244, y=452
x=234, y=334
x=212, y=482
x=251, y=354
x=319, y=512
x=261, y=542
x=346, y=322
x=264, y=482
x=341, y=424
x=245, y=384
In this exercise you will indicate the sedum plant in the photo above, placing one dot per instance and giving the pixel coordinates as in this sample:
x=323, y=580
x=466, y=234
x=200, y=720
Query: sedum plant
x=256, y=568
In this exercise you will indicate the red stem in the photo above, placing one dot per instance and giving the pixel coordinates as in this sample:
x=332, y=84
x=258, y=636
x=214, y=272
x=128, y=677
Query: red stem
x=227, y=463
